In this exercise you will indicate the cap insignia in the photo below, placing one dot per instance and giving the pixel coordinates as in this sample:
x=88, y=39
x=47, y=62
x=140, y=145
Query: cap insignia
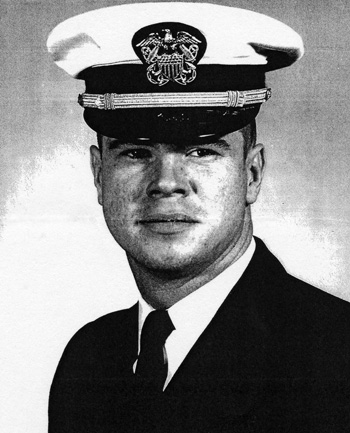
x=171, y=50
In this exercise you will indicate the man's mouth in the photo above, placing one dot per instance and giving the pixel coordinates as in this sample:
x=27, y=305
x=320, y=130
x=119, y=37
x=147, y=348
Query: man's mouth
x=165, y=217
x=167, y=223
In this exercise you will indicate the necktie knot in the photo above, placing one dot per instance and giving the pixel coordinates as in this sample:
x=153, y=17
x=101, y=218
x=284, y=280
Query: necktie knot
x=157, y=328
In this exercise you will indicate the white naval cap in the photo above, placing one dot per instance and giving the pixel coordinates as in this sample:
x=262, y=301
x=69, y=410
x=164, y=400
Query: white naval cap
x=192, y=65
x=234, y=36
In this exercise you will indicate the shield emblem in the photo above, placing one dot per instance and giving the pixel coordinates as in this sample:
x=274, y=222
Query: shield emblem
x=171, y=66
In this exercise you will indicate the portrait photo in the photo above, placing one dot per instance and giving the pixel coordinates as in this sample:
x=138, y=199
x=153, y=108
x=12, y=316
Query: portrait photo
x=150, y=153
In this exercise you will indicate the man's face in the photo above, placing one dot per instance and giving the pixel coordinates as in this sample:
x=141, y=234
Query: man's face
x=175, y=208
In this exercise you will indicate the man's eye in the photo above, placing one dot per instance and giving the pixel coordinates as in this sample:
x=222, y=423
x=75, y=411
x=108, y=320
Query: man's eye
x=202, y=152
x=136, y=153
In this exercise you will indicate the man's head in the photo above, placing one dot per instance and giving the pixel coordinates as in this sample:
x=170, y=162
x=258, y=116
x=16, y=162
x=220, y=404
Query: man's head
x=173, y=97
x=180, y=207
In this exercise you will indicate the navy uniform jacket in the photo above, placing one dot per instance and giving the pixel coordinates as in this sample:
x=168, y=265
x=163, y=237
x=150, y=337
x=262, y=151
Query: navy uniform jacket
x=275, y=358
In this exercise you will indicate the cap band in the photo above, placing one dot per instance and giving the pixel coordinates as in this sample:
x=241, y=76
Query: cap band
x=230, y=99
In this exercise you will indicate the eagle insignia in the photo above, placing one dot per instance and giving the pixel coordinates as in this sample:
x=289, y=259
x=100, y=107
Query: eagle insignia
x=171, y=55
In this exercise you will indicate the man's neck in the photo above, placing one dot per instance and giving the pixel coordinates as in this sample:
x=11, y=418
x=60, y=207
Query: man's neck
x=160, y=291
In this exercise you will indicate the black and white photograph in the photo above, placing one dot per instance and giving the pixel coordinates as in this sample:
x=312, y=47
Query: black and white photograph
x=174, y=216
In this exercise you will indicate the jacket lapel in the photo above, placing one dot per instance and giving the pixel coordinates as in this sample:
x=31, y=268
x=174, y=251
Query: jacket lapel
x=232, y=357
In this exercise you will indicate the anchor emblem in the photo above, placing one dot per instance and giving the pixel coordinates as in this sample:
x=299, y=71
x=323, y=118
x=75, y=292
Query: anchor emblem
x=170, y=58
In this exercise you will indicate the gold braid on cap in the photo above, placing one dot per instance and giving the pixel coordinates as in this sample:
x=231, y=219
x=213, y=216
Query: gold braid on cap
x=229, y=99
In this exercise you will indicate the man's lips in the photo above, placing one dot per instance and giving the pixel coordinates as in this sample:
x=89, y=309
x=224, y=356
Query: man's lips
x=167, y=218
x=167, y=223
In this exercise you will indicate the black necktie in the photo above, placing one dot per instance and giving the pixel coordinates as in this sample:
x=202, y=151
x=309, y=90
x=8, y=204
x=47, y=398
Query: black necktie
x=152, y=365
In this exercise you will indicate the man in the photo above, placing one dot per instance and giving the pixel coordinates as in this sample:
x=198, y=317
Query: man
x=222, y=339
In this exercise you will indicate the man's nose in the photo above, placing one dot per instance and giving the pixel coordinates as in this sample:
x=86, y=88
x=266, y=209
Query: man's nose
x=168, y=178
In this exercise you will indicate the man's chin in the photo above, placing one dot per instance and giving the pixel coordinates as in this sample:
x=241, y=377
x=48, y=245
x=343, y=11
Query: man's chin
x=169, y=266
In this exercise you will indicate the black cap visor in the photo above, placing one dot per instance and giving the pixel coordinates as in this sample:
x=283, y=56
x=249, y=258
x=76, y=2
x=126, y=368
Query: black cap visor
x=169, y=124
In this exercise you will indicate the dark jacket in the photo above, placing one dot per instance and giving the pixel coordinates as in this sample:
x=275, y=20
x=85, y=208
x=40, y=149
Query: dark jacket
x=275, y=358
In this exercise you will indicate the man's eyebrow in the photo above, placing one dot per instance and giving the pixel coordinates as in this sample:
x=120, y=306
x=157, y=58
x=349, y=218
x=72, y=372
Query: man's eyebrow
x=117, y=143
x=220, y=143
x=114, y=143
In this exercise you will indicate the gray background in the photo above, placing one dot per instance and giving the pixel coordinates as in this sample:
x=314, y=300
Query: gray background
x=59, y=265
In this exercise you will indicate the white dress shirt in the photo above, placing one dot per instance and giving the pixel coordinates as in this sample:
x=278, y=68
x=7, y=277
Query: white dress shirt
x=192, y=314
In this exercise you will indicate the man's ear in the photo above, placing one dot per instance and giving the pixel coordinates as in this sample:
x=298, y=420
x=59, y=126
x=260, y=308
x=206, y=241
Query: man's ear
x=255, y=163
x=96, y=167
